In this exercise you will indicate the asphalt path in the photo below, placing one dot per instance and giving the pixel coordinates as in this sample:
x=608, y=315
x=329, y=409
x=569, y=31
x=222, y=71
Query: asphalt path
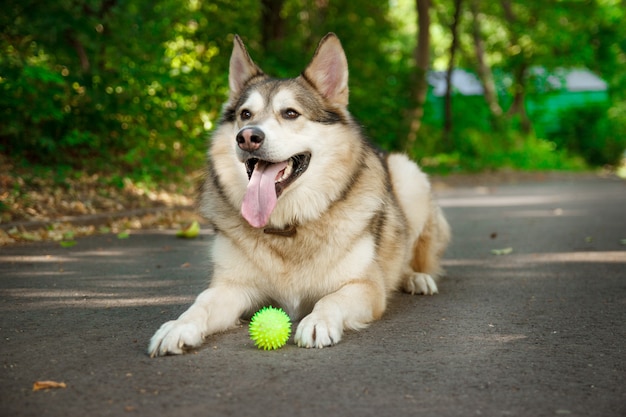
x=538, y=330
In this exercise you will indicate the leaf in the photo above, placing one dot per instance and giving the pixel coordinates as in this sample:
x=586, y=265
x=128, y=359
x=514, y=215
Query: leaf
x=189, y=232
x=67, y=243
x=41, y=385
x=34, y=237
x=123, y=235
x=504, y=251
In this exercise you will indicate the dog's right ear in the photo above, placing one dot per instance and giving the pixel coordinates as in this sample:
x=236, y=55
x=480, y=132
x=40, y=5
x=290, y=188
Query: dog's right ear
x=242, y=68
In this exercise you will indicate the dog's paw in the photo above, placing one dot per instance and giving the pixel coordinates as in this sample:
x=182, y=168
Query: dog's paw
x=419, y=283
x=174, y=337
x=315, y=331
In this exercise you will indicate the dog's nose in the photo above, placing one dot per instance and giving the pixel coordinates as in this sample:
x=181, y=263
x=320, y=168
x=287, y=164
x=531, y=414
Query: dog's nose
x=250, y=138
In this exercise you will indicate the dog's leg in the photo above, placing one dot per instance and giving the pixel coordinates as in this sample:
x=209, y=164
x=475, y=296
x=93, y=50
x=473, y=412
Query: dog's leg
x=427, y=251
x=216, y=309
x=419, y=283
x=420, y=277
x=353, y=306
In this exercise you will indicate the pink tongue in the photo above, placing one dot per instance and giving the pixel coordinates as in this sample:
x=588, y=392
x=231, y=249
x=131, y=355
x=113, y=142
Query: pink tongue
x=260, y=198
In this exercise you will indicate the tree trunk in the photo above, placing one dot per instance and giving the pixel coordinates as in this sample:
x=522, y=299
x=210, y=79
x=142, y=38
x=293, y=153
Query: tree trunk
x=422, y=61
x=519, y=94
x=72, y=39
x=448, y=118
x=519, y=97
x=484, y=71
x=272, y=23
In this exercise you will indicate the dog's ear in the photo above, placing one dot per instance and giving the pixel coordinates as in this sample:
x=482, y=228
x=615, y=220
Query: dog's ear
x=242, y=68
x=328, y=70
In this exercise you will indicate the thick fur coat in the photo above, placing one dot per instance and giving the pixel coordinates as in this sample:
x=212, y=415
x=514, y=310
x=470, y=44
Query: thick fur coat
x=309, y=216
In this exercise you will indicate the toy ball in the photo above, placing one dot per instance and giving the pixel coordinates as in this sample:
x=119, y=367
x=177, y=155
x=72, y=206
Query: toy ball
x=270, y=328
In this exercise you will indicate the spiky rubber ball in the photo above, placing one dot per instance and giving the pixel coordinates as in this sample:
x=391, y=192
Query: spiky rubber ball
x=270, y=328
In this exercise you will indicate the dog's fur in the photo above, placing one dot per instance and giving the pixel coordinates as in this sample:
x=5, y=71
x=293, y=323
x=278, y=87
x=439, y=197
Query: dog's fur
x=349, y=226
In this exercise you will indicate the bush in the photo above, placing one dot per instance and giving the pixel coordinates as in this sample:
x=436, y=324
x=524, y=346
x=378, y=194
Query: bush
x=476, y=150
x=597, y=133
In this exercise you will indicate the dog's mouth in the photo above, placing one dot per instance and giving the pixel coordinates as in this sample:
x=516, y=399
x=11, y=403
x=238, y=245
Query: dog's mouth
x=294, y=167
x=267, y=182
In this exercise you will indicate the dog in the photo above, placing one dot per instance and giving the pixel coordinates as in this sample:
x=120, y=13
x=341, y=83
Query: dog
x=308, y=215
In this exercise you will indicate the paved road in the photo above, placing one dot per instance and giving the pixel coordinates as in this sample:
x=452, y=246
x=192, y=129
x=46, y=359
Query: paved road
x=537, y=332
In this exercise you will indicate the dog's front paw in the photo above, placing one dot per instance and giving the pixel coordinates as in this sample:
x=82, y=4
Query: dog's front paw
x=174, y=337
x=419, y=283
x=317, y=331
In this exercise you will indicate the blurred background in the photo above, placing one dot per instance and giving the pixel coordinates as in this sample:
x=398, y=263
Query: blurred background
x=131, y=89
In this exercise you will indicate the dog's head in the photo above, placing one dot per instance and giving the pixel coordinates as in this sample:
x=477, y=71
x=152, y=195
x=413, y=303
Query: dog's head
x=282, y=129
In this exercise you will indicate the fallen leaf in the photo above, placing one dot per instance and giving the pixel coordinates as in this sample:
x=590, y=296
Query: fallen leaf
x=189, y=232
x=67, y=243
x=41, y=385
x=504, y=251
x=123, y=235
x=34, y=237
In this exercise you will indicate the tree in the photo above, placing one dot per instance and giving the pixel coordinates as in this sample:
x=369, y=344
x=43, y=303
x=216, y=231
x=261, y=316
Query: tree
x=138, y=85
x=520, y=56
x=422, y=64
x=272, y=22
x=482, y=67
x=130, y=83
x=447, y=124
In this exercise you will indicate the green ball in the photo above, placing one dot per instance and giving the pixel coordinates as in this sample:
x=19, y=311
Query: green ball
x=270, y=328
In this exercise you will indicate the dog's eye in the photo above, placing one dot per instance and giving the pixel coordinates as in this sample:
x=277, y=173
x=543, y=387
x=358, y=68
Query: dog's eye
x=245, y=114
x=290, y=114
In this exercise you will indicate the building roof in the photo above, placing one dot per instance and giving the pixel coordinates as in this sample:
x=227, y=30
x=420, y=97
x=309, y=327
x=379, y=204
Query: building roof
x=568, y=79
x=463, y=82
x=579, y=79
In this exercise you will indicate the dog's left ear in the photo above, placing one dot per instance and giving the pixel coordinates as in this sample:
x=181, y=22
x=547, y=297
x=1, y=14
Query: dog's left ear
x=242, y=68
x=328, y=70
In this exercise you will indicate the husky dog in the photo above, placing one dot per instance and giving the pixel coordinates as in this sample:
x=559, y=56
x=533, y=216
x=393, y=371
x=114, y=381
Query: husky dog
x=308, y=215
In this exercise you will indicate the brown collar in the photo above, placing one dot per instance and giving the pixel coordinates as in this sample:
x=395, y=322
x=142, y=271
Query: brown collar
x=289, y=231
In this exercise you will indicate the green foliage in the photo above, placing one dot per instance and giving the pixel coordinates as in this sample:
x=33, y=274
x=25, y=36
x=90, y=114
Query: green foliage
x=100, y=84
x=597, y=133
x=105, y=85
x=138, y=86
x=476, y=150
